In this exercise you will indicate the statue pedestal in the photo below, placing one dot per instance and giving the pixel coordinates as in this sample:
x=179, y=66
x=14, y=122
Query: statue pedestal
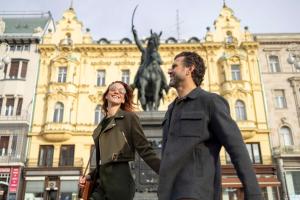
x=145, y=178
x=151, y=122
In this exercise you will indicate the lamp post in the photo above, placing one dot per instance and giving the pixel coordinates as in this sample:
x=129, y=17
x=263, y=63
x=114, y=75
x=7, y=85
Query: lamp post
x=294, y=55
x=4, y=58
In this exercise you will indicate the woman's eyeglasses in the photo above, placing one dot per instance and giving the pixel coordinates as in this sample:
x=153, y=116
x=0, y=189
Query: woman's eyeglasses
x=114, y=88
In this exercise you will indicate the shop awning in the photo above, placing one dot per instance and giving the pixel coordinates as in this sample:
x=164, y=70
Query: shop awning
x=234, y=182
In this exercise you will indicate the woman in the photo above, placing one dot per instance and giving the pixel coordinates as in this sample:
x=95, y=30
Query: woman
x=116, y=138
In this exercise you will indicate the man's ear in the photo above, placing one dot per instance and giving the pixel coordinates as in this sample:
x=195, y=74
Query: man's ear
x=192, y=68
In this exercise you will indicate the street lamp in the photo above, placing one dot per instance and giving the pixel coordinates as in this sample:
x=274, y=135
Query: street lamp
x=4, y=58
x=294, y=55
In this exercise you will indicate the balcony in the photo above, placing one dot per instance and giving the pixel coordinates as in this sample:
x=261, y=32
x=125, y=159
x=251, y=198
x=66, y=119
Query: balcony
x=13, y=119
x=287, y=151
x=58, y=132
x=78, y=162
x=8, y=159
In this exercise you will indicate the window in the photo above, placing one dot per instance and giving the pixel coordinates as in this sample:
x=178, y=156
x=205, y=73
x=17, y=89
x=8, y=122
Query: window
x=125, y=76
x=66, y=157
x=10, y=101
x=286, y=135
x=235, y=72
x=34, y=190
x=14, y=69
x=240, y=110
x=62, y=74
x=19, y=47
x=274, y=63
x=100, y=77
x=19, y=106
x=27, y=47
x=8, y=145
x=12, y=47
x=16, y=66
x=98, y=115
x=4, y=141
x=254, y=153
x=24, y=69
x=68, y=189
x=280, y=101
x=46, y=155
x=293, y=184
x=229, y=38
x=1, y=102
x=58, y=112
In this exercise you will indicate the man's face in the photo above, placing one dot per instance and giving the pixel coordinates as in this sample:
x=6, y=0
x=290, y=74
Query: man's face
x=178, y=72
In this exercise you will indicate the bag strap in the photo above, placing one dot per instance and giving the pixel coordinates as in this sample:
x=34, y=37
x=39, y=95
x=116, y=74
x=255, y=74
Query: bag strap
x=87, y=165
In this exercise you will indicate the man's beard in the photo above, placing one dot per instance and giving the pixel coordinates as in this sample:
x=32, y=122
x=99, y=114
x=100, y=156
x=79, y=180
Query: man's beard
x=175, y=81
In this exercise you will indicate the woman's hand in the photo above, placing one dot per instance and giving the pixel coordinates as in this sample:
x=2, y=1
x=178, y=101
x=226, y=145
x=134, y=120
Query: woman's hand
x=83, y=179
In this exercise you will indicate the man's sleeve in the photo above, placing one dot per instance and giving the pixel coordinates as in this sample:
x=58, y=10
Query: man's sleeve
x=228, y=134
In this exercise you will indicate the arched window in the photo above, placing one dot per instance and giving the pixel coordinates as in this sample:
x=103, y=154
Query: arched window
x=240, y=110
x=98, y=115
x=58, y=112
x=286, y=135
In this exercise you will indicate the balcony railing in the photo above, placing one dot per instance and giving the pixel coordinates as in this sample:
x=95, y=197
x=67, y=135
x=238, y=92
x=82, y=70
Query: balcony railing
x=292, y=150
x=7, y=159
x=25, y=117
x=78, y=162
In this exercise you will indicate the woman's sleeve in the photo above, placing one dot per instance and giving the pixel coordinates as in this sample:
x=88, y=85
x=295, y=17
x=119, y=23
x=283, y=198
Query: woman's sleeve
x=142, y=145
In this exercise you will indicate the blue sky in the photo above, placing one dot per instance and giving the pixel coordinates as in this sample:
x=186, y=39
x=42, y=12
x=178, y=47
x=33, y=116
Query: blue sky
x=112, y=18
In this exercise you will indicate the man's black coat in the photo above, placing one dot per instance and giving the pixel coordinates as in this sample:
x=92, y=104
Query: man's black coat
x=190, y=166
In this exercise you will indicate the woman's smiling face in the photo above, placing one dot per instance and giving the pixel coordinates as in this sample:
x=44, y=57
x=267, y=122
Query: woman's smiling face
x=116, y=94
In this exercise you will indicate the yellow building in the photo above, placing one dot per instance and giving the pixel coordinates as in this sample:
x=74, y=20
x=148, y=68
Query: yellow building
x=75, y=70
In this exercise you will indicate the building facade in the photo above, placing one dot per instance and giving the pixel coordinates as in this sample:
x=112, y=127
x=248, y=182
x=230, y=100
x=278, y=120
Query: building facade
x=281, y=82
x=74, y=72
x=19, y=35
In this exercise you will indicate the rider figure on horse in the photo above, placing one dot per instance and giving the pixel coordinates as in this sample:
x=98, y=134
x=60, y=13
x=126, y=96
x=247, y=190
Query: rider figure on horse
x=150, y=71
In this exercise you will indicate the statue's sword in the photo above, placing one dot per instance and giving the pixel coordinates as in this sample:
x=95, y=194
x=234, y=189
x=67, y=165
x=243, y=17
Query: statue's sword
x=132, y=18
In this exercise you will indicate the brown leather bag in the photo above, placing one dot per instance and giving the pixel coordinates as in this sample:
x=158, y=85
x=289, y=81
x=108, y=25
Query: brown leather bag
x=86, y=190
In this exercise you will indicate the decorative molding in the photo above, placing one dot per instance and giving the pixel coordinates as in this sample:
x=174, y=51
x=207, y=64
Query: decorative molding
x=96, y=98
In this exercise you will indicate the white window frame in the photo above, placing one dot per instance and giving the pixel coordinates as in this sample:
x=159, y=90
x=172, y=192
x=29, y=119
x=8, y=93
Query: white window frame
x=58, y=112
x=101, y=77
x=287, y=136
x=125, y=76
x=280, y=100
x=236, y=72
x=240, y=110
x=62, y=74
x=274, y=64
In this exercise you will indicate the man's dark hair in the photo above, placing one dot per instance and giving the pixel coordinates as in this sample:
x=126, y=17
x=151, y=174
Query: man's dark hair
x=192, y=58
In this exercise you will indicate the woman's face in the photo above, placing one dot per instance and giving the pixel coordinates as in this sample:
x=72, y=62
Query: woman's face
x=116, y=94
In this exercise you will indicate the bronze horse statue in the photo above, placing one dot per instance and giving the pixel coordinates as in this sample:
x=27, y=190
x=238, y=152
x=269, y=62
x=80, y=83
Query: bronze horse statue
x=150, y=79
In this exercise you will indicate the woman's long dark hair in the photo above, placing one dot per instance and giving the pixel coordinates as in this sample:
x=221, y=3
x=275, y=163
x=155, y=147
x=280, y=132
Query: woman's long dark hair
x=128, y=105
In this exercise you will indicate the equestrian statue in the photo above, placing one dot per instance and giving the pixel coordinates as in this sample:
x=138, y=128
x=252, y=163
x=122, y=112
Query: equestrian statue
x=149, y=79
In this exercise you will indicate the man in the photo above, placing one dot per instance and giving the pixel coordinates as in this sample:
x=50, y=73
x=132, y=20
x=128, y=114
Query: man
x=196, y=126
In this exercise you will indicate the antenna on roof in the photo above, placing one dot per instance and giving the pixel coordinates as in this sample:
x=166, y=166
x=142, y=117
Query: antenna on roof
x=177, y=24
x=71, y=5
